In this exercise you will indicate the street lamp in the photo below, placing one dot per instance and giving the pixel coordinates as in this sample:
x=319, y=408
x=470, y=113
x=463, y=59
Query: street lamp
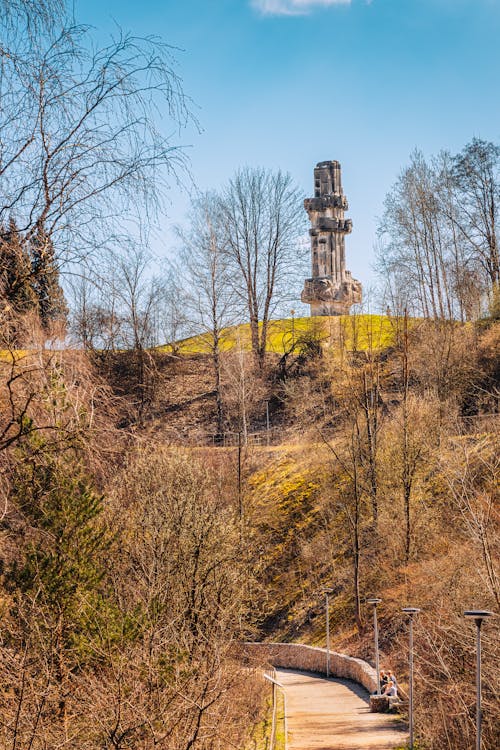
x=267, y=421
x=292, y=313
x=478, y=615
x=411, y=612
x=376, y=601
x=327, y=608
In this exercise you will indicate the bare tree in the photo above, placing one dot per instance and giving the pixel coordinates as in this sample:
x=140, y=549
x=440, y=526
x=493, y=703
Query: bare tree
x=182, y=570
x=466, y=274
x=476, y=172
x=262, y=218
x=93, y=323
x=472, y=475
x=210, y=296
x=241, y=387
x=80, y=147
x=439, y=232
x=133, y=297
x=417, y=246
x=135, y=292
x=357, y=392
x=24, y=23
x=172, y=320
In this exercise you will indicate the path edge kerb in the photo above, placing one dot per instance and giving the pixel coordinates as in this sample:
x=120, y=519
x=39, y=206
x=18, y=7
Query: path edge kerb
x=309, y=659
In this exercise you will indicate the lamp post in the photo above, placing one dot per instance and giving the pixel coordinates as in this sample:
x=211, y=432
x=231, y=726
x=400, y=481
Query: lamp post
x=478, y=615
x=411, y=612
x=292, y=313
x=376, y=601
x=327, y=592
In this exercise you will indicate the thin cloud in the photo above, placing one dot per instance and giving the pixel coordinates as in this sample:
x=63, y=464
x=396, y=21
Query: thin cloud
x=293, y=7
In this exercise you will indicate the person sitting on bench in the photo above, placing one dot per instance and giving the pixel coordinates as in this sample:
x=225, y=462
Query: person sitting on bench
x=392, y=678
x=391, y=689
x=384, y=680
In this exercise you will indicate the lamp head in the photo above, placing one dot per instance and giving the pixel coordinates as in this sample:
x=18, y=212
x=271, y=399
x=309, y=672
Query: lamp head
x=411, y=610
x=373, y=601
x=478, y=615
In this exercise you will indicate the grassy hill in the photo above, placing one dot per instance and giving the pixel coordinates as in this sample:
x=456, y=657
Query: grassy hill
x=381, y=479
x=355, y=332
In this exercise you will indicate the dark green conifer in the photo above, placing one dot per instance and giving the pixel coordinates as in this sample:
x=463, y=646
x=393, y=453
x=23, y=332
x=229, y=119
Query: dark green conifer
x=52, y=307
x=16, y=291
x=56, y=581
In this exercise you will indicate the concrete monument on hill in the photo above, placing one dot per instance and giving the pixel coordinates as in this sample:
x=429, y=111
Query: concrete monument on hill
x=331, y=290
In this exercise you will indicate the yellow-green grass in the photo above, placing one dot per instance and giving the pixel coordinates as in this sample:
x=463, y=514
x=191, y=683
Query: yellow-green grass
x=360, y=332
x=260, y=735
x=354, y=332
x=13, y=355
x=280, y=722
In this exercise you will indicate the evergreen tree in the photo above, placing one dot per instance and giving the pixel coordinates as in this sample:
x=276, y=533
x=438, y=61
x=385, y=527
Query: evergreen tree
x=16, y=290
x=58, y=572
x=52, y=307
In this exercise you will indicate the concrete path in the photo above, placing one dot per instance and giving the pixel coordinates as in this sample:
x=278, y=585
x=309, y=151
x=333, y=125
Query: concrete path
x=334, y=715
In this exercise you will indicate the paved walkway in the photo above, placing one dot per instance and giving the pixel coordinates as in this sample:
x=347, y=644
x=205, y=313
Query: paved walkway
x=334, y=715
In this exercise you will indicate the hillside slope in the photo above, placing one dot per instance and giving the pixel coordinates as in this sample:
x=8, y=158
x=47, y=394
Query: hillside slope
x=383, y=479
x=393, y=491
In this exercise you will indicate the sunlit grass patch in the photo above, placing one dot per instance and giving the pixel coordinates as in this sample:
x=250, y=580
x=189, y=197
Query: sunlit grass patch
x=12, y=355
x=260, y=736
x=280, y=722
x=354, y=332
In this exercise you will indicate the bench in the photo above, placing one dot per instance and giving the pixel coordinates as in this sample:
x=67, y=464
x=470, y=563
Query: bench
x=385, y=703
x=379, y=704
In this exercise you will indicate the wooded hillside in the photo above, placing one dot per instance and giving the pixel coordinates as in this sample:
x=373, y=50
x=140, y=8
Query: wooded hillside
x=136, y=550
x=185, y=461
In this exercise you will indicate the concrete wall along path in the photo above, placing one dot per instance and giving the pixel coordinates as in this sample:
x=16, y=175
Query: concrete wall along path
x=311, y=659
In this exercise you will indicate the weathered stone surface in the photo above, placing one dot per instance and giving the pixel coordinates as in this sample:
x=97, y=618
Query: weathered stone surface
x=310, y=659
x=326, y=201
x=331, y=290
x=379, y=703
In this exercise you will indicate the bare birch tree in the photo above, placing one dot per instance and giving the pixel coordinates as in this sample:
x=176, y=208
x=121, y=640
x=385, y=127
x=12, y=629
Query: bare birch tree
x=206, y=273
x=80, y=147
x=439, y=232
x=416, y=246
x=263, y=217
x=476, y=172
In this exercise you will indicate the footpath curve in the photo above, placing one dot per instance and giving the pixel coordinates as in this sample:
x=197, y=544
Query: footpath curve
x=310, y=659
x=328, y=713
x=334, y=714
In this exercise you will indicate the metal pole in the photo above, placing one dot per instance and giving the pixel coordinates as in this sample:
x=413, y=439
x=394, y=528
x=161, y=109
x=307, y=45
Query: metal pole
x=478, y=615
x=327, y=636
x=478, y=684
x=411, y=611
x=327, y=592
x=285, y=717
x=411, y=683
x=375, y=628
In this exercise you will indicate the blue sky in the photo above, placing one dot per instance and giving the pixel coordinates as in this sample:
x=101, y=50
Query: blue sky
x=288, y=83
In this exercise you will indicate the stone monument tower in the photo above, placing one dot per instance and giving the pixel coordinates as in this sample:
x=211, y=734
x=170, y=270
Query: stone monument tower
x=331, y=290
